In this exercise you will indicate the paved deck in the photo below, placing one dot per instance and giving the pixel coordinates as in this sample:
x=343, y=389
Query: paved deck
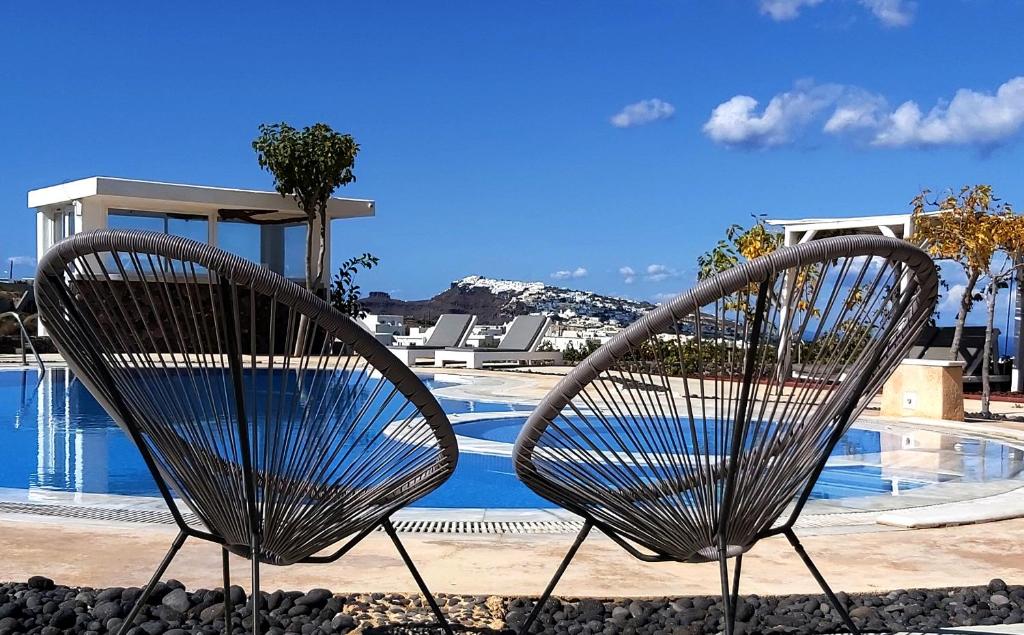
x=104, y=554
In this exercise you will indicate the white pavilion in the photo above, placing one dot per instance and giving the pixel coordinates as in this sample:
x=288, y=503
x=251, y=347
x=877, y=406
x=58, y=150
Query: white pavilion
x=262, y=226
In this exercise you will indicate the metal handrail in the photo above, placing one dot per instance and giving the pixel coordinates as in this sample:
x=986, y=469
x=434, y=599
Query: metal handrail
x=25, y=338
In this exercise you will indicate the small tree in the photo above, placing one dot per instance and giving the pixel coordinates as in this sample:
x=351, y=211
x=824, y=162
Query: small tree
x=952, y=229
x=344, y=290
x=982, y=235
x=308, y=165
x=1006, y=232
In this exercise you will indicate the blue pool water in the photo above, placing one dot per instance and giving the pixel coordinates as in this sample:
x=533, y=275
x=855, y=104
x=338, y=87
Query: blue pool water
x=54, y=436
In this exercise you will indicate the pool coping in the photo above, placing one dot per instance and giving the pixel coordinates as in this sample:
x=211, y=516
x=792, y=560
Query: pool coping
x=982, y=502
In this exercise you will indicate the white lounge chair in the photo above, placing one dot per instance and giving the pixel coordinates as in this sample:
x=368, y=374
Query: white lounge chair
x=451, y=331
x=519, y=346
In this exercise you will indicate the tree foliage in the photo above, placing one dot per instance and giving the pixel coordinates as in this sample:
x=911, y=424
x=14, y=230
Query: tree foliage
x=740, y=244
x=344, y=290
x=308, y=165
x=980, y=233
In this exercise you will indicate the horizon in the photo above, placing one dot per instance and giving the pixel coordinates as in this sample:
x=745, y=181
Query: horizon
x=588, y=148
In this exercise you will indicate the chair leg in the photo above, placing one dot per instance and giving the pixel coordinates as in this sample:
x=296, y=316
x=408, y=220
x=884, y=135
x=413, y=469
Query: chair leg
x=723, y=570
x=390, y=529
x=175, y=546
x=255, y=584
x=736, y=582
x=229, y=608
x=833, y=600
x=542, y=600
x=732, y=604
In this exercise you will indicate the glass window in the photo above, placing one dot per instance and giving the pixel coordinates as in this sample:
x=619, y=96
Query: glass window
x=280, y=248
x=120, y=219
x=240, y=238
x=184, y=225
x=295, y=251
x=193, y=227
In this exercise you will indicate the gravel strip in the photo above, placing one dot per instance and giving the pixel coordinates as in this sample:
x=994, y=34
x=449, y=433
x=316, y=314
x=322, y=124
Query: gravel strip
x=40, y=606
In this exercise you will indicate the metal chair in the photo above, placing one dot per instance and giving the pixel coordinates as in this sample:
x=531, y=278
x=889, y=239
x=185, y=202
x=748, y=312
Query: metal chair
x=687, y=437
x=222, y=374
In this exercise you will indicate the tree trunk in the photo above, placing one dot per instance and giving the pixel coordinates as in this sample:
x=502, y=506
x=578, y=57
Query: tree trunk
x=986, y=357
x=309, y=253
x=323, y=250
x=961, y=316
x=300, y=334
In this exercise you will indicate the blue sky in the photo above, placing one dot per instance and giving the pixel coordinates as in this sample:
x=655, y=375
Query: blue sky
x=525, y=139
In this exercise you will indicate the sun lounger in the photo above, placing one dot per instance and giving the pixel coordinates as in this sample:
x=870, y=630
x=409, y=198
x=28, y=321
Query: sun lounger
x=519, y=346
x=451, y=331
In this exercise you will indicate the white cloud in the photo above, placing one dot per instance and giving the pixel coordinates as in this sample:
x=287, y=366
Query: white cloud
x=970, y=118
x=857, y=110
x=660, y=298
x=565, y=274
x=780, y=10
x=642, y=113
x=890, y=13
x=736, y=122
x=949, y=305
x=657, y=273
x=21, y=260
x=650, y=273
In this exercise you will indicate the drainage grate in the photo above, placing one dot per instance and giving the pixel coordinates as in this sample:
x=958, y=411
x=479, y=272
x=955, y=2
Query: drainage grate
x=163, y=517
x=147, y=516
x=486, y=527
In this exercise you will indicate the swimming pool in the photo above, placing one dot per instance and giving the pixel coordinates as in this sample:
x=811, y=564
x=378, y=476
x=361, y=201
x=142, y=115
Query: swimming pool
x=54, y=436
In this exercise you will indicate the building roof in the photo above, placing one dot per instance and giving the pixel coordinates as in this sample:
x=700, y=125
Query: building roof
x=840, y=223
x=177, y=197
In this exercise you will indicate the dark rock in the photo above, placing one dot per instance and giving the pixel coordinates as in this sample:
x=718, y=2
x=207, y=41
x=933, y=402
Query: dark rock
x=177, y=600
x=166, y=614
x=314, y=598
x=106, y=595
x=131, y=595
x=64, y=618
x=41, y=583
x=106, y=610
x=238, y=596
x=153, y=627
x=274, y=599
x=343, y=622
x=211, y=613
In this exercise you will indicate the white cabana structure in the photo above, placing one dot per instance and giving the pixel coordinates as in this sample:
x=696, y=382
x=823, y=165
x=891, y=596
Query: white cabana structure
x=261, y=226
x=804, y=229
